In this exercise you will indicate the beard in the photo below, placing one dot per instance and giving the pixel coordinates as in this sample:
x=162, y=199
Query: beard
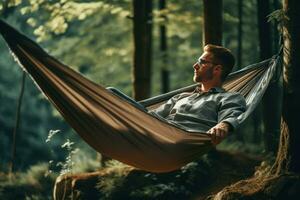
x=206, y=76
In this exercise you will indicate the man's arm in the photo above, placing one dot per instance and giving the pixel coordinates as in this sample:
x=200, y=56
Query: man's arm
x=231, y=107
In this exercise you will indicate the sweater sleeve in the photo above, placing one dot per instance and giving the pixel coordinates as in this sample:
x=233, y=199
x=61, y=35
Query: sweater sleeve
x=231, y=107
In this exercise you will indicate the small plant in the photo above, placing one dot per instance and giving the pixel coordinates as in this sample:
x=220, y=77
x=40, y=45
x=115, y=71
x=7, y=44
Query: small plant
x=74, y=160
x=67, y=165
x=51, y=134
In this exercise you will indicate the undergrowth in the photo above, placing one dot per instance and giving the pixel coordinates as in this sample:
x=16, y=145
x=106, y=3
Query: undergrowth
x=126, y=183
x=38, y=181
x=35, y=183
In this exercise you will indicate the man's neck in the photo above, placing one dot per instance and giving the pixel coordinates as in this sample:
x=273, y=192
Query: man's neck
x=206, y=86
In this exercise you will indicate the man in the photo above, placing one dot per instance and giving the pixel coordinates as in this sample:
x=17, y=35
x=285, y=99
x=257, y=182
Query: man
x=209, y=108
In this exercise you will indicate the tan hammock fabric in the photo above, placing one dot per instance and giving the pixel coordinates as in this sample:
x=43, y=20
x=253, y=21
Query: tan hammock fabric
x=110, y=125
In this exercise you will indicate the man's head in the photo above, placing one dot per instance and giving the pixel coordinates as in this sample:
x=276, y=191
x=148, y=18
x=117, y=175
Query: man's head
x=215, y=62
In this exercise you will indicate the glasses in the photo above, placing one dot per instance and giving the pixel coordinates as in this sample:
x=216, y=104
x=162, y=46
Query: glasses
x=201, y=61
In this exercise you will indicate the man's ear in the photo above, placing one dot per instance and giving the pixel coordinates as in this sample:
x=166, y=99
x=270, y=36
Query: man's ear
x=218, y=68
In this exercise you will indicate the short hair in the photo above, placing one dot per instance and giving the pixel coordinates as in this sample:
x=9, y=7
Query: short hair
x=222, y=56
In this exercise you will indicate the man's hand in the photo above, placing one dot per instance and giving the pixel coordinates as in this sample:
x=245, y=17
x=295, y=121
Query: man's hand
x=219, y=132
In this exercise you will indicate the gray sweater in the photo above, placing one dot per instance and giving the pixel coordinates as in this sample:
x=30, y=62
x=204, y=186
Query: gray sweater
x=199, y=111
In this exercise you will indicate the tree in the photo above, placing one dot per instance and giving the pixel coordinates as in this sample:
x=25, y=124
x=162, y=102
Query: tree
x=142, y=33
x=271, y=116
x=276, y=31
x=240, y=33
x=212, y=22
x=288, y=160
x=163, y=48
x=264, y=29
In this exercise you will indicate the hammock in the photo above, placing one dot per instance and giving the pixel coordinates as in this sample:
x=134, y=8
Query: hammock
x=114, y=127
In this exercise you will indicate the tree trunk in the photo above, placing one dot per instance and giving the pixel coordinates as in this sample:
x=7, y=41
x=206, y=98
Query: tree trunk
x=271, y=114
x=142, y=33
x=212, y=22
x=287, y=157
x=240, y=34
x=264, y=29
x=165, y=82
x=276, y=30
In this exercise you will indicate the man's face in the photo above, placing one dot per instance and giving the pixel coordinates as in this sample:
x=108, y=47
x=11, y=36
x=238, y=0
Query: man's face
x=204, y=67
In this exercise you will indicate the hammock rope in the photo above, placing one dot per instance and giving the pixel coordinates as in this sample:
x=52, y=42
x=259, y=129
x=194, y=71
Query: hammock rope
x=114, y=127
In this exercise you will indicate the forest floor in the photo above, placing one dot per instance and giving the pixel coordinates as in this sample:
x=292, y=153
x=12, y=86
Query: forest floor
x=229, y=168
x=197, y=180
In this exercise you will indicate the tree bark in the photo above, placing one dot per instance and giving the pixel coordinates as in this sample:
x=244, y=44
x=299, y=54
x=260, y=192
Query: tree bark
x=165, y=74
x=212, y=22
x=276, y=31
x=291, y=82
x=240, y=34
x=271, y=114
x=264, y=29
x=142, y=32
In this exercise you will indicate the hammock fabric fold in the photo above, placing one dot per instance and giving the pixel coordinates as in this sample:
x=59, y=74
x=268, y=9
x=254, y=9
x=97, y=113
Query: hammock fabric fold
x=114, y=127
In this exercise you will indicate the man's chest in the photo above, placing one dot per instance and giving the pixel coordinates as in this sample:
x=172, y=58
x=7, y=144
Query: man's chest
x=198, y=104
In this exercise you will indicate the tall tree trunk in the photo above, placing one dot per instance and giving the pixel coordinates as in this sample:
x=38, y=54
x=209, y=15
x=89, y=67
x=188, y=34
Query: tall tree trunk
x=288, y=158
x=212, y=22
x=240, y=34
x=240, y=49
x=276, y=30
x=271, y=114
x=142, y=33
x=264, y=29
x=165, y=82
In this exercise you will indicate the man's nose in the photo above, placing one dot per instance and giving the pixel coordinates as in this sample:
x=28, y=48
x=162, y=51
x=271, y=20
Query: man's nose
x=196, y=66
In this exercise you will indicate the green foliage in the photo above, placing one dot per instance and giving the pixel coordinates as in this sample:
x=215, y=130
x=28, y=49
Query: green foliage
x=32, y=184
x=277, y=15
x=9, y=4
x=60, y=13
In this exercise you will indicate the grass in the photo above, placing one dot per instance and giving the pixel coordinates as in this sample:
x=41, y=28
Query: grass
x=36, y=183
